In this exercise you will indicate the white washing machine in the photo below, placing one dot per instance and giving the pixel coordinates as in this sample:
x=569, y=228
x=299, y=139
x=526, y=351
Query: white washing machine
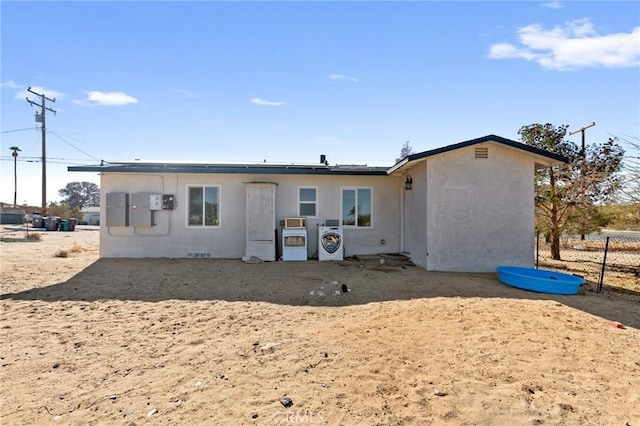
x=330, y=243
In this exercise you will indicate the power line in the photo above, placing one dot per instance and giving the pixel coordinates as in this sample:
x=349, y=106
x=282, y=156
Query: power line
x=8, y=157
x=59, y=136
x=89, y=144
x=73, y=146
x=20, y=130
x=68, y=161
x=71, y=137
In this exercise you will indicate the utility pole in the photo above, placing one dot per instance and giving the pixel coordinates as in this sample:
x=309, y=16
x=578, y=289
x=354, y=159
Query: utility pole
x=583, y=152
x=14, y=154
x=42, y=118
x=583, y=165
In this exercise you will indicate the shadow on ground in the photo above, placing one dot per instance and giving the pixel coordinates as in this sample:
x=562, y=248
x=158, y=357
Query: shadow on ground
x=299, y=284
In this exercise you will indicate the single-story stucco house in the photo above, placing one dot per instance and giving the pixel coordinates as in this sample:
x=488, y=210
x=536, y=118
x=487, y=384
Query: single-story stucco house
x=463, y=207
x=91, y=215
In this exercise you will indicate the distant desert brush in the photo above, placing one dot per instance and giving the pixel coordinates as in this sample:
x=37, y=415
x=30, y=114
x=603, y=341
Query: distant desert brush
x=34, y=237
x=61, y=253
x=76, y=248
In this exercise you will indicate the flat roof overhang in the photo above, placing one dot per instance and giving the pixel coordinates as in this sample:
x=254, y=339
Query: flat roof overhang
x=230, y=169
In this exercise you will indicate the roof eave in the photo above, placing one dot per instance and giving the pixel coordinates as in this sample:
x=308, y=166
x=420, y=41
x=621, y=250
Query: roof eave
x=542, y=158
x=249, y=169
x=398, y=165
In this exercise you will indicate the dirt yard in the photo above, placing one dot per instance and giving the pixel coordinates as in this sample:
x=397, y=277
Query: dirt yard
x=222, y=342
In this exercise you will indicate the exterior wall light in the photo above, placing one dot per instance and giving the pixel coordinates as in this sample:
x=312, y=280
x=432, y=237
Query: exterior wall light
x=408, y=183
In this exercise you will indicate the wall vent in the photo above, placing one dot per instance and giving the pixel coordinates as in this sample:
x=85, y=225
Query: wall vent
x=482, y=152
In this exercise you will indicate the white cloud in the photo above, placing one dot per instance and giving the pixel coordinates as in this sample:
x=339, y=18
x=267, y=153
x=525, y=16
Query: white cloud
x=107, y=99
x=574, y=45
x=342, y=77
x=11, y=85
x=51, y=94
x=506, y=50
x=185, y=93
x=259, y=101
x=553, y=5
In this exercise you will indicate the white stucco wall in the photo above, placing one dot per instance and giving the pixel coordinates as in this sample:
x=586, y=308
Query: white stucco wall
x=170, y=237
x=415, y=215
x=479, y=212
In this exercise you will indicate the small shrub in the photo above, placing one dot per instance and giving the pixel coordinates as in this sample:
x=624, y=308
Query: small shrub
x=34, y=236
x=76, y=248
x=62, y=253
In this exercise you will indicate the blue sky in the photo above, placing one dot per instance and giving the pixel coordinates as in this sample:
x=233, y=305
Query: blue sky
x=287, y=81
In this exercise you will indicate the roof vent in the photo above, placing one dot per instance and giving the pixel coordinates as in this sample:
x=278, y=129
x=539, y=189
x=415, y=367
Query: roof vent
x=482, y=152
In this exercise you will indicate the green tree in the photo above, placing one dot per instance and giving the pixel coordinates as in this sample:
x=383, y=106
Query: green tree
x=630, y=188
x=405, y=151
x=63, y=210
x=601, y=179
x=566, y=195
x=81, y=194
x=622, y=216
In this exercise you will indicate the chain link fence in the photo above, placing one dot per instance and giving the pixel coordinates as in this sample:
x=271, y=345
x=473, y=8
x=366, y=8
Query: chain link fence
x=609, y=262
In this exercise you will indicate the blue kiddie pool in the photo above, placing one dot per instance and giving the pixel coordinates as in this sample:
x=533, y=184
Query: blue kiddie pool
x=539, y=280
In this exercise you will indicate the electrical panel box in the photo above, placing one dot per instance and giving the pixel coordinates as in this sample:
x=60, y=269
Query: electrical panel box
x=117, y=209
x=155, y=201
x=141, y=214
x=168, y=201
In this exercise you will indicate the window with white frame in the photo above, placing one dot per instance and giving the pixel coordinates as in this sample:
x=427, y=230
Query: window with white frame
x=204, y=205
x=307, y=201
x=357, y=207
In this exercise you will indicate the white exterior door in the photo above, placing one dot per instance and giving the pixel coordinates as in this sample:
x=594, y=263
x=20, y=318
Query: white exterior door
x=261, y=221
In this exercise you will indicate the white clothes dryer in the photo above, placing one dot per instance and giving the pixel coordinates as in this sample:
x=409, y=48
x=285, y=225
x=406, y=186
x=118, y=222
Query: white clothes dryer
x=330, y=243
x=294, y=244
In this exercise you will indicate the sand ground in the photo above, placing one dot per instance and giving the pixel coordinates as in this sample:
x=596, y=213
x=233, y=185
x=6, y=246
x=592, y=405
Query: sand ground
x=222, y=342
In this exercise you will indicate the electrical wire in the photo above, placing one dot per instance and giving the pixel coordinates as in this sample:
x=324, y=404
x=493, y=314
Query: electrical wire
x=69, y=137
x=83, y=142
x=20, y=130
x=65, y=161
x=68, y=162
x=72, y=145
x=60, y=136
x=7, y=157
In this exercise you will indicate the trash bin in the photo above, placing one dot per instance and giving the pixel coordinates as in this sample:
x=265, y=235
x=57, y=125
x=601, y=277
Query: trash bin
x=64, y=225
x=72, y=224
x=51, y=223
x=37, y=221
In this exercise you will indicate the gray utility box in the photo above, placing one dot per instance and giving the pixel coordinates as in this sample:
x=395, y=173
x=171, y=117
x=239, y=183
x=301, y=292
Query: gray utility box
x=155, y=201
x=117, y=209
x=141, y=213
